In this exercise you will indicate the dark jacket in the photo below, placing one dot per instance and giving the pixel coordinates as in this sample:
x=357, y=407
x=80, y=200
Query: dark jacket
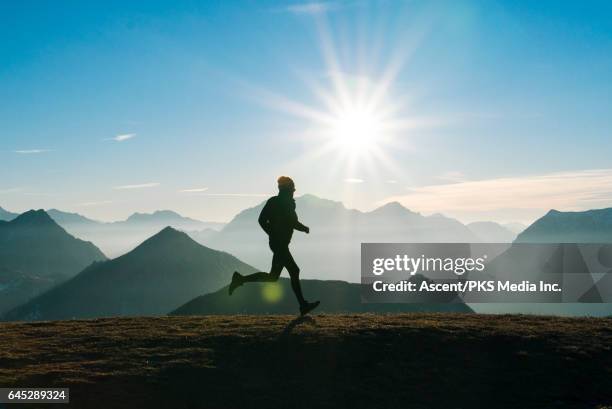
x=278, y=219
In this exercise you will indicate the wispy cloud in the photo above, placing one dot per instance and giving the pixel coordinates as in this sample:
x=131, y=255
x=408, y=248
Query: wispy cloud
x=453, y=176
x=236, y=194
x=138, y=186
x=353, y=180
x=11, y=190
x=31, y=151
x=122, y=137
x=577, y=190
x=41, y=194
x=309, y=8
x=98, y=203
x=194, y=190
x=23, y=191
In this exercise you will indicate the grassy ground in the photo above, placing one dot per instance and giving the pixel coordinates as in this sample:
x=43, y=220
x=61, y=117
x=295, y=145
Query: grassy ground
x=344, y=361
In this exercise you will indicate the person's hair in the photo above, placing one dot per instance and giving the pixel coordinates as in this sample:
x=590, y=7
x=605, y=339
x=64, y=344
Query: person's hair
x=285, y=183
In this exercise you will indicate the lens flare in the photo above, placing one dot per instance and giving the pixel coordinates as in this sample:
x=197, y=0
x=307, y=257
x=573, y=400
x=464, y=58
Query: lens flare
x=272, y=292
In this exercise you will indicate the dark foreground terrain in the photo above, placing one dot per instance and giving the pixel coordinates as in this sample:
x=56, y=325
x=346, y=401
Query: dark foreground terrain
x=331, y=361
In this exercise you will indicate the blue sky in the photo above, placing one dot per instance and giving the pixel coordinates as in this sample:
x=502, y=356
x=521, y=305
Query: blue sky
x=495, y=110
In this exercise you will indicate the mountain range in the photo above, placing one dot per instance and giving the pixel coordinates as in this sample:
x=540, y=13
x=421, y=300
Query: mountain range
x=171, y=272
x=33, y=243
x=117, y=238
x=332, y=251
x=159, y=275
x=591, y=226
x=36, y=254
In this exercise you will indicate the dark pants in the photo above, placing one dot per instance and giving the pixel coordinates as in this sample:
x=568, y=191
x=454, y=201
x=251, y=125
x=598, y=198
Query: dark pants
x=281, y=258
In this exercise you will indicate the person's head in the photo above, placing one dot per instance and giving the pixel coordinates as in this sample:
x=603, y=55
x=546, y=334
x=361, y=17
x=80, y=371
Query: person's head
x=286, y=185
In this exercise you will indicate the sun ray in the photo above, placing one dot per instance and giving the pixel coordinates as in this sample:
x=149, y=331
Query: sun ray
x=357, y=126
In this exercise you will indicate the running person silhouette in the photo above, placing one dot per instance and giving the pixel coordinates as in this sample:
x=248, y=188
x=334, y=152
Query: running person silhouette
x=278, y=219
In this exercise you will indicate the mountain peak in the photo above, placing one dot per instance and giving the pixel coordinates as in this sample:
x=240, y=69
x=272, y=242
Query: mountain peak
x=169, y=235
x=393, y=205
x=310, y=196
x=588, y=226
x=34, y=217
x=169, y=231
x=166, y=213
x=167, y=241
x=393, y=208
x=158, y=215
x=33, y=243
x=311, y=199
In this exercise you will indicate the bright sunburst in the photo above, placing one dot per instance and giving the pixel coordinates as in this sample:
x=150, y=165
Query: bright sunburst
x=356, y=130
x=356, y=120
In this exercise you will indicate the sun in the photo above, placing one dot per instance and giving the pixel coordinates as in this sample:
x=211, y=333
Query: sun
x=354, y=117
x=356, y=130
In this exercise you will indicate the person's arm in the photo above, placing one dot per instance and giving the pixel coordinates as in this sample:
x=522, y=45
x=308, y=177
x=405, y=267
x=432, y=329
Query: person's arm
x=264, y=218
x=300, y=227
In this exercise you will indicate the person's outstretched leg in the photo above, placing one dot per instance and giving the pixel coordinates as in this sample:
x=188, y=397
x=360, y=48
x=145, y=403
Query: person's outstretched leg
x=259, y=277
x=275, y=271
